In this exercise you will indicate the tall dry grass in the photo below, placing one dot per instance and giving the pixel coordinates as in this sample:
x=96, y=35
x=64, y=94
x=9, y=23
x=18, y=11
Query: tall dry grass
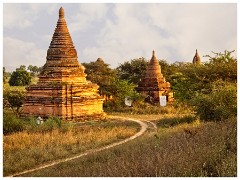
x=185, y=150
x=142, y=108
x=25, y=150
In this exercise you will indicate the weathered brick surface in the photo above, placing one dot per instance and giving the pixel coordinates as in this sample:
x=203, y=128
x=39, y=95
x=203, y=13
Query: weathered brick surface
x=62, y=89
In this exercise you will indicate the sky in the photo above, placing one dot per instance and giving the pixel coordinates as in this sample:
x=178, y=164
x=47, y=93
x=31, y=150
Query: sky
x=119, y=32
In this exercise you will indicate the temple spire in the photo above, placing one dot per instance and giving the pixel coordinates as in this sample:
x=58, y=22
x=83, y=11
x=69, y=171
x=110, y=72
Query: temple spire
x=196, y=58
x=61, y=41
x=153, y=68
x=154, y=58
x=154, y=54
x=62, y=54
x=61, y=12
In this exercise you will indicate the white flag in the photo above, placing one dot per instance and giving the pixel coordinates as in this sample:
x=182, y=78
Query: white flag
x=128, y=101
x=163, y=100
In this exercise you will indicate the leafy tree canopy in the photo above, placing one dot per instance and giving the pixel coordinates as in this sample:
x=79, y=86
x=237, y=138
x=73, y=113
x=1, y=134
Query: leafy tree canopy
x=132, y=70
x=34, y=70
x=20, y=77
x=100, y=73
x=13, y=98
x=191, y=79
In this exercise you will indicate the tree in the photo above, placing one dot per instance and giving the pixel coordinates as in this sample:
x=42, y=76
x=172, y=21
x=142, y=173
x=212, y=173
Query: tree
x=34, y=70
x=4, y=75
x=218, y=101
x=219, y=105
x=210, y=88
x=180, y=85
x=20, y=77
x=120, y=89
x=22, y=67
x=222, y=66
x=100, y=73
x=190, y=79
x=13, y=98
x=132, y=70
x=30, y=67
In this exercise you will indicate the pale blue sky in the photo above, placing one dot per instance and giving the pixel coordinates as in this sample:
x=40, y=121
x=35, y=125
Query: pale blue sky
x=119, y=32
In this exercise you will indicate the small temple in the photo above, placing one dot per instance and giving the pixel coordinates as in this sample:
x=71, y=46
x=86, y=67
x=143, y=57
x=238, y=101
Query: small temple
x=62, y=89
x=196, y=58
x=153, y=84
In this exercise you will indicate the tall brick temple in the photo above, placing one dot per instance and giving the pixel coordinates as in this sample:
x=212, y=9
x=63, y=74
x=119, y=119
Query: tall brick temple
x=62, y=89
x=153, y=84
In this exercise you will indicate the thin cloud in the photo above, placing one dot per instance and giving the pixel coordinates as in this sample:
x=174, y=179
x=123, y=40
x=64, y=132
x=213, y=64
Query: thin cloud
x=87, y=15
x=22, y=53
x=24, y=15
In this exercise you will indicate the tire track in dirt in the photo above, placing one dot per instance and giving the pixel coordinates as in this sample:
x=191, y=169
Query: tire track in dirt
x=143, y=125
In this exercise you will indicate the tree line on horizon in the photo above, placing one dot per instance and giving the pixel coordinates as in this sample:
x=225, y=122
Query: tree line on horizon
x=210, y=88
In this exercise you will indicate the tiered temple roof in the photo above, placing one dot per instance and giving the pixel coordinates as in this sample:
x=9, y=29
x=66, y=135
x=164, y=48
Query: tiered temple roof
x=153, y=84
x=62, y=89
x=62, y=64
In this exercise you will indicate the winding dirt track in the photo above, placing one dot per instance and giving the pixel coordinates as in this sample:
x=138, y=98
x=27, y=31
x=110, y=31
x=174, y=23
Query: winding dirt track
x=143, y=125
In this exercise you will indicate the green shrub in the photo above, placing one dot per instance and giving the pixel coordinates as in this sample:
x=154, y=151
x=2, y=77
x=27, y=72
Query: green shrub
x=48, y=125
x=20, y=77
x=218, y=105
x=13, y=98
x=11, y=124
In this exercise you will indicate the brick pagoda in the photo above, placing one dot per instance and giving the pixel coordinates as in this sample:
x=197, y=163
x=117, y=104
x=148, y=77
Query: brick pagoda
x=153, y=84
x=62, y=89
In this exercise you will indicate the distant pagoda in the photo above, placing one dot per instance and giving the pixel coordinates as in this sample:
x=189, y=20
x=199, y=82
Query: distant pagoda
x=196, y=58
x=153, y=84
x=62, y=89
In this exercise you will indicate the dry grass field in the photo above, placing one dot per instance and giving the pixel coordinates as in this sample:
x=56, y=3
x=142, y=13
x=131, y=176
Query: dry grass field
x=27, y=149
x=180, y=147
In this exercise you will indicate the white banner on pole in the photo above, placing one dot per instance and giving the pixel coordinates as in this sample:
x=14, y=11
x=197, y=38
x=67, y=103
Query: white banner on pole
x=128, y=101
x=163, y=100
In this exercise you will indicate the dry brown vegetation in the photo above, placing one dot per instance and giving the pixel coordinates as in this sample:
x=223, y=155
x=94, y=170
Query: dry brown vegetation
x=25, y=150
x=178, y=149
x=145, y=109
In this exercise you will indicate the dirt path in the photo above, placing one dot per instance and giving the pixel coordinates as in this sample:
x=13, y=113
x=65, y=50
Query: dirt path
x=143, y=125
x=154, y=125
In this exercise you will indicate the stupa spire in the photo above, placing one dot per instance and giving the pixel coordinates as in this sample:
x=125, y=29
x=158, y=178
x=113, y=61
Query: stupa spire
x=154, y=58
x=154, y=68
x=61, y=41
x=61, y=12
x=61, y=33
x=196, y=58
x=196, y=53
x=63, y=55
x=154, y=54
